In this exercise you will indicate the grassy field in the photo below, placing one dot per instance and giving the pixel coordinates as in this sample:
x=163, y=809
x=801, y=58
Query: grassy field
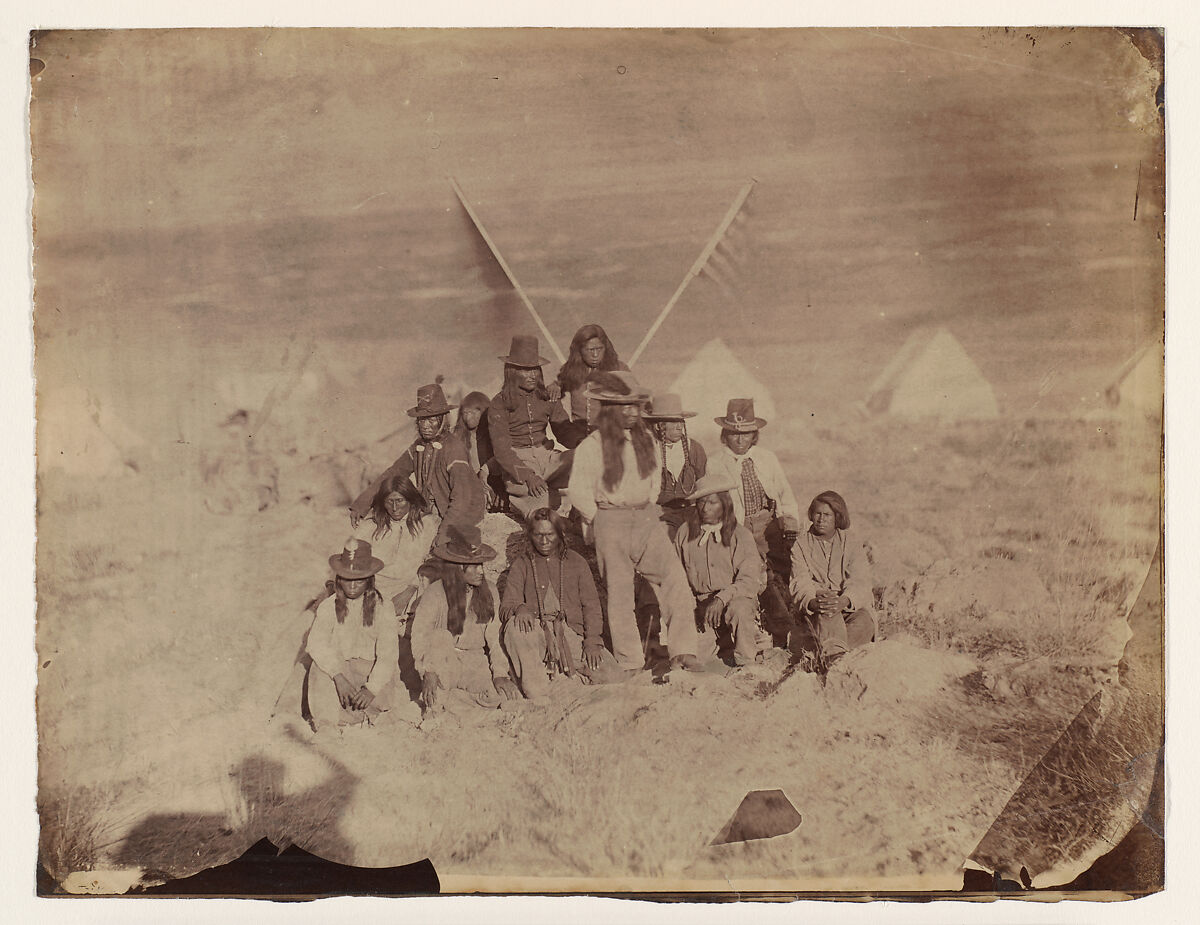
x=1001, y=612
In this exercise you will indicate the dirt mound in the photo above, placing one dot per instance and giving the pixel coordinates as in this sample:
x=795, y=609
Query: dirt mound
x=895, y=672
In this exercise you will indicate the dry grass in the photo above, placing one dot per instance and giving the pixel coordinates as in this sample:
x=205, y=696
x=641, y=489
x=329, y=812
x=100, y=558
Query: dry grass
x=1025, y=573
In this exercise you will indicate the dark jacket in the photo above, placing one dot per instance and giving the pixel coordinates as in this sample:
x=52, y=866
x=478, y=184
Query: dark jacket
x=452, y=486
x=577, y=595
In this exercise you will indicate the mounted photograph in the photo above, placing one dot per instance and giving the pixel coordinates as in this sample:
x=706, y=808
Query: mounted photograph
x=669, y=463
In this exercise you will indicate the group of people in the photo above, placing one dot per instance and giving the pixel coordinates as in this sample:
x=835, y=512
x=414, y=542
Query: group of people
x=708, y=547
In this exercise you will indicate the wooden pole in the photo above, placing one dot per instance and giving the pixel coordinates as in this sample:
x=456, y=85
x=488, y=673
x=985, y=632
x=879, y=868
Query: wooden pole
x=507, y=272
x=696, y=267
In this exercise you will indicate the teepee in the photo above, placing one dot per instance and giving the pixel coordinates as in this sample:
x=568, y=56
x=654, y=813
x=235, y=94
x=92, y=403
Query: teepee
x=932, y=376
x=1137, y=387
x=706, y=384
x=80, y=434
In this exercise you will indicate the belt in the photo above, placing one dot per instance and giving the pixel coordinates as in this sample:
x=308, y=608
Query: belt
x=607, y=506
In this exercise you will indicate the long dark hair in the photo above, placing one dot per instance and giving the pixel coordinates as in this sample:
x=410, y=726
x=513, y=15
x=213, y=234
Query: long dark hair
x=370, y=596
x=556, y=521
x=728, y=519
x=471, y=400
x=841, y=515
x=667, y=478
x=418, y=507
x=612, y=435
x=510, y=395
x=575, y=371
x=454, y=584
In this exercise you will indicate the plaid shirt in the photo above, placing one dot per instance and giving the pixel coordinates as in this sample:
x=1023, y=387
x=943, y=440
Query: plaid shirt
x=754, y=496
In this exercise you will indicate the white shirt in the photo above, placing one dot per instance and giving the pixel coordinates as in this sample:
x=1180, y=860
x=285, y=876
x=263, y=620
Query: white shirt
x=675, y=459
x=587, y=479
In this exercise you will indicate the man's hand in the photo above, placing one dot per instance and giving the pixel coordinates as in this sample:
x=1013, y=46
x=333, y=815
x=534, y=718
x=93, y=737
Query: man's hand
x=713, y=612
x=593, y=653
x=536, y=485
x=524, y=619
x=828, y=603
x=363, y=699
x=429, y=688
x=554, y=391
x=354, y=519
x=507, y=688
x=345, y=691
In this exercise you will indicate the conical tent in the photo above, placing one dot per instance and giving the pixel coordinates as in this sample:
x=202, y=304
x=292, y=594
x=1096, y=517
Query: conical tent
x=80, y=434
x=706, y=384
x=1137, y=387
x=932, y=376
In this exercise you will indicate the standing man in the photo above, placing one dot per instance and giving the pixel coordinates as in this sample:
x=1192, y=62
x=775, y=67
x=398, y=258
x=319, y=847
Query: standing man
x=683, y=459
x=437, y=464
x=724, y=571
x=518, y=417
x=614, y=484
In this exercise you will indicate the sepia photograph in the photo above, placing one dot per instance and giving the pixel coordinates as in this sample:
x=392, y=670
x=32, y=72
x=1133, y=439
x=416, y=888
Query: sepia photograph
x=664, y=463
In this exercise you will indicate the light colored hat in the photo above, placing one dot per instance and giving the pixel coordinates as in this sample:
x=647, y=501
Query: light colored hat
x=524, y=352
x=636, y=394
x=739, y=416
x=710, y=485
x=355, y=560
x=667, y=407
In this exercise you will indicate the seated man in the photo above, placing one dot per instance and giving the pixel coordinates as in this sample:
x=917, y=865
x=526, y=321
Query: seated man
x=402, y=528
x=551, y=611
x=455, y=634
x=534, y=471
x=726, y=575
x=830, y=582
x=437, y=464
x=762, y=501
x=353, y=645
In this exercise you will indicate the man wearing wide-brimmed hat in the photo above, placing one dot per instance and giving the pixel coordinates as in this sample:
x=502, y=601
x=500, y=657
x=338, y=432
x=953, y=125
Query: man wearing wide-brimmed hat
x=724, y=571
x=455, y=631
x=683, y=459
x=437, y=464
x=534, y=471
x=353, y=645
x=762, y=493
x=763, y=501
x=614, y=485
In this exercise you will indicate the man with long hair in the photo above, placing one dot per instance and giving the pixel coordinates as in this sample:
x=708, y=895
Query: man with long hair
x=518, y=417
x=455, y=633
x=471, y=427
x=437, y=464
x=353, y=645
x=684, y=461
x=724, y=571
x=591, y=352
x=614, y=484
x=402, y=529
x=551, y=611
